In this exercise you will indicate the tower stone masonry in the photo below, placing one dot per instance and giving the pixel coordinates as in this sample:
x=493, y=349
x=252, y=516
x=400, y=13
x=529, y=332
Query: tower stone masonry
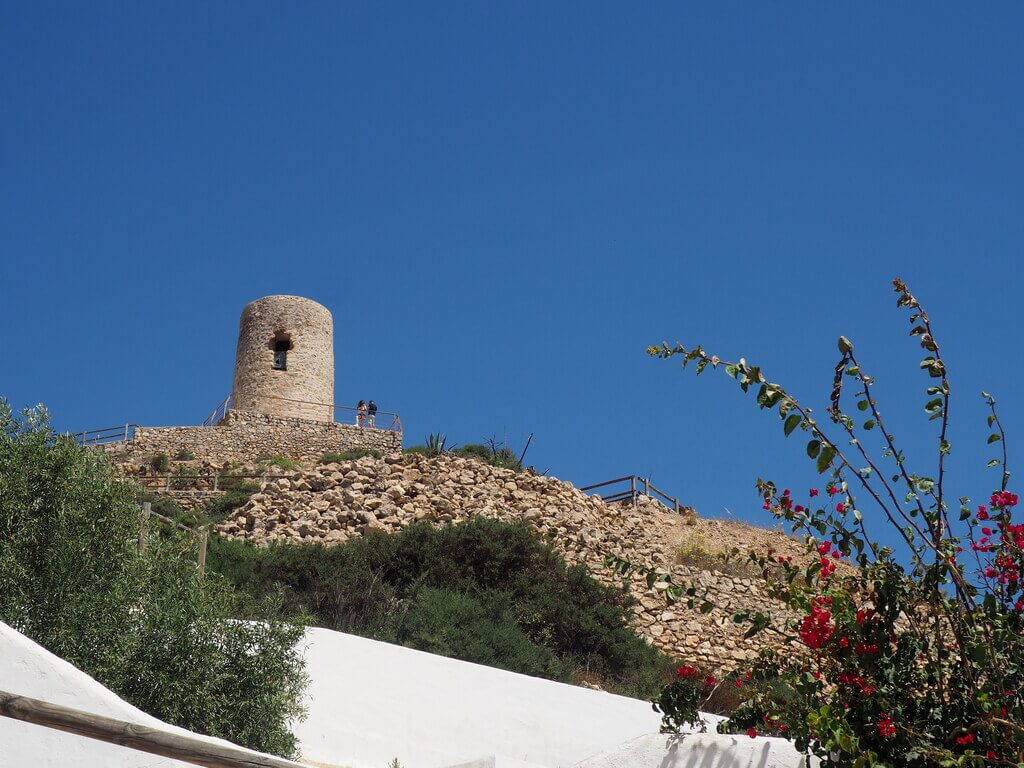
x=284, y=363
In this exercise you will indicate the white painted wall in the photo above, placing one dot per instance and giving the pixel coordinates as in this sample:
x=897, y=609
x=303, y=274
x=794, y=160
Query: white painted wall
x=29, y=669
x=369, y=702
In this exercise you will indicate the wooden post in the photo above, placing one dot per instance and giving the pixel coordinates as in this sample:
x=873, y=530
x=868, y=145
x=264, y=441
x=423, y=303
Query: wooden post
x=632, y=489
x=187, y=747
x=204, y=536
x=143, y=524
x=647, y=487
x=215, y=479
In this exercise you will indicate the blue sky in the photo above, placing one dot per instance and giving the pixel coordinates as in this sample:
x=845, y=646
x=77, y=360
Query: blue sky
x=504, y=204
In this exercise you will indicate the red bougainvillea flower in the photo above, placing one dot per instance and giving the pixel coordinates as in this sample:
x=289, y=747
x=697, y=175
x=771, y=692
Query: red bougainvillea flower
x=1003, y=499
x=814, y=492
x=686, y=671
x=832, y=490
x=817, y=628
x=840, y=507
x=710, y=680
x=752, y=733
x=965, y=739
x=886, y=728
x=982, y=512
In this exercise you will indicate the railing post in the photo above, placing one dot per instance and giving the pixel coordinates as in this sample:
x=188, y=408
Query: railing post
x=647, y=487
x=632, y=489
x=143, y=522
x=204, y=536
x=215, y=479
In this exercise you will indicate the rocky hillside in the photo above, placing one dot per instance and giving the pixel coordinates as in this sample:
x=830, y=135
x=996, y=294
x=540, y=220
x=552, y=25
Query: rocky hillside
x=334, y=502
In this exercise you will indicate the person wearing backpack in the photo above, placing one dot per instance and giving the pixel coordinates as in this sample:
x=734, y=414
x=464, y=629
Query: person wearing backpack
x=372, y=410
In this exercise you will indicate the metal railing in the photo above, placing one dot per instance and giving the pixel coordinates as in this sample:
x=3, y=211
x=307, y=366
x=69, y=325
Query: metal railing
x=105, y=435
x=339, y=414
x=218, y=413
x=638, y=486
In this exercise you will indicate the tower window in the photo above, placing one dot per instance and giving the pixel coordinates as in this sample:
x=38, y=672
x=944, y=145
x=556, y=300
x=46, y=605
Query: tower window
x=282, y=343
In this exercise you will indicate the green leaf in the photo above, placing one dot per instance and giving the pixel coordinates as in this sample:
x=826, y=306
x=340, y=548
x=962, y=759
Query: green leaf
x=993, y=463
x=862, y=405
x=869, y=424
x=825, y=458
x=707, y=607
x=993, y=438
x=844, y=345
x=813, y=447
x=991, y=420
x=791, y=423
x=732, y=370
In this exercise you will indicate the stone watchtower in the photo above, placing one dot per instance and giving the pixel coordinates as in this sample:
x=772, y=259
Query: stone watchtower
x=284, y=364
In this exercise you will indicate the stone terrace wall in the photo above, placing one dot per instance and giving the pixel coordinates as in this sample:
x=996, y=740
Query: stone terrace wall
x=243, y=436
x=334, y=502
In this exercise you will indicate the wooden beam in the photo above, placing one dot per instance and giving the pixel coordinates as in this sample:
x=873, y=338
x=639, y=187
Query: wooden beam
x=186, y=747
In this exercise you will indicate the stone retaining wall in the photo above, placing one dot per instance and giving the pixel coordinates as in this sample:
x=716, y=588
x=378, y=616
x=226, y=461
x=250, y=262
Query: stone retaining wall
x=333, y=503
x=243, y=436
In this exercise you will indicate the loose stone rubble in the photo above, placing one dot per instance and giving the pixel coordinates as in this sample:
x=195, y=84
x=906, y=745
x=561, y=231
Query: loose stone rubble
x=332, y=503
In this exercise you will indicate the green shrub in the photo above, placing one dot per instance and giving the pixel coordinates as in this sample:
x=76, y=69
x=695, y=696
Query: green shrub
x=473, y=451
x=184, y=478
x=371, y=584
x=184, y=455
x=357, y=453
x=162, y=505
x=221, y=506
x=161, y=463
x=498, y=456
x=284, y=462
x=457, y=625
x=146, y=625
x=421, y=450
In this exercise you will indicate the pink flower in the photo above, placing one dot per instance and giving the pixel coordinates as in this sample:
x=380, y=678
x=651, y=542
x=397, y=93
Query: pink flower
x=814, y=492
x=840, y=507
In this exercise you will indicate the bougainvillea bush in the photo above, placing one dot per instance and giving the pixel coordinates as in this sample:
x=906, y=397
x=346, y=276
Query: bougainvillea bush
x=900, y=656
